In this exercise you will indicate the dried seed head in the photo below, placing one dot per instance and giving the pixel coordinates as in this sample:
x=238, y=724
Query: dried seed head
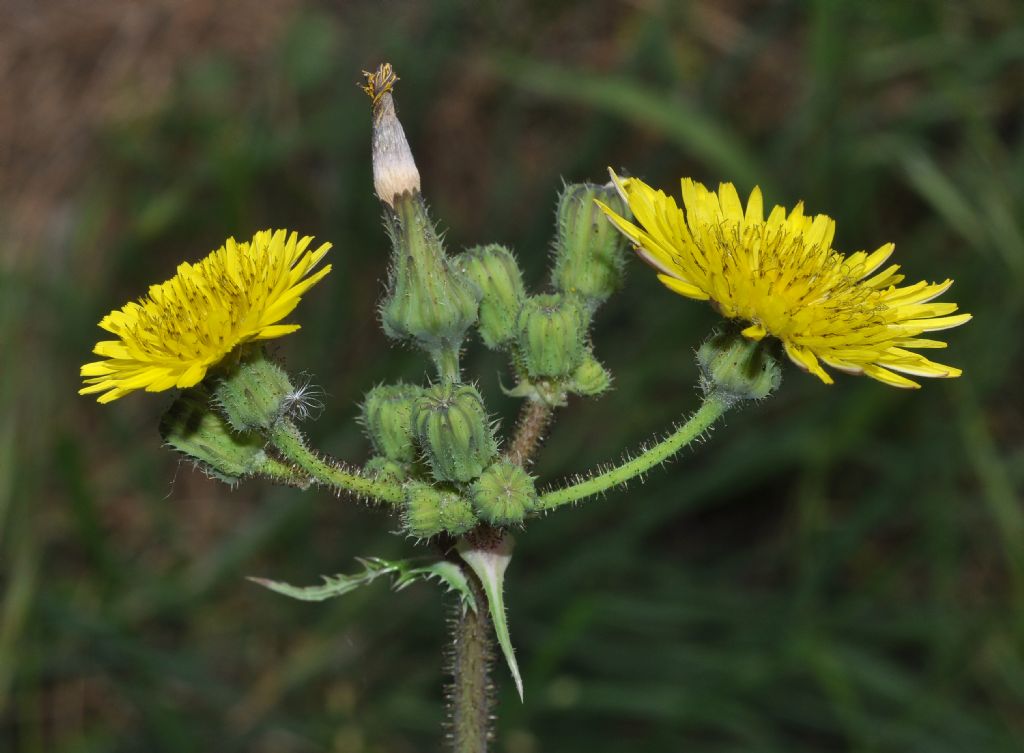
x=394, y=169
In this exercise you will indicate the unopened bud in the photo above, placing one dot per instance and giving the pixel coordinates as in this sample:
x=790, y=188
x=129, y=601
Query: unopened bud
x=386, y=469
x=430, y=511
x=193, y=428
x=504, y=494
x=737, y=368
x=589, y=251
x=429, y=300
x=494, y=270
x=387, y=416
x=452, y=429
x=552, y=332
x=255, y=393
x=394, y=169
x=591, y=378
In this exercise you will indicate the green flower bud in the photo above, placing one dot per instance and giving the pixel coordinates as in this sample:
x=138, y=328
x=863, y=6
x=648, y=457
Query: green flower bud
x=193, y=428
x=503, y=494
x=591, y=378
x=429, y=301
x=387, y=416
x=589, y=251
x=737, y=368
x=451, y=426
x=494, y=270
x=552, y=335
x=429, y=511
x=386, y=469
x=255, y=393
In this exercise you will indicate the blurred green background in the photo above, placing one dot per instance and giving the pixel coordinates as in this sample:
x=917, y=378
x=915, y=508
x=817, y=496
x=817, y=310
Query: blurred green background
x=837, y=569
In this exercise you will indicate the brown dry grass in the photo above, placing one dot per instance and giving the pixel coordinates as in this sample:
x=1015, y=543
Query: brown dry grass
x=68, y=68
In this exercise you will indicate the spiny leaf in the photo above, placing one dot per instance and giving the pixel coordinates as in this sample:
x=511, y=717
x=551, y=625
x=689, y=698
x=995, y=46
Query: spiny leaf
x=406, y=572
x=448, y=573
x=489, y=565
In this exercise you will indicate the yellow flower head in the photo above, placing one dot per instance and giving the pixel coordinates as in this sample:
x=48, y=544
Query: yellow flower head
x=782, y=277
x=187, y=325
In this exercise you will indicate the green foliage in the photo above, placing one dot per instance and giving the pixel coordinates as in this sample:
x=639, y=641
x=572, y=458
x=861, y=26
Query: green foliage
x=403, y=572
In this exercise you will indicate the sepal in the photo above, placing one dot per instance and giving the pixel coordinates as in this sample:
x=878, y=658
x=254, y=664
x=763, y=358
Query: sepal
x=504, y=494
x=429, y=301
x=430, y=511
x=552, y=335
x=387, y=416
x=254, y=393
x=493, y=269
x=591, y=378
x=193, y=428
x=451, y=427
x=737, y=368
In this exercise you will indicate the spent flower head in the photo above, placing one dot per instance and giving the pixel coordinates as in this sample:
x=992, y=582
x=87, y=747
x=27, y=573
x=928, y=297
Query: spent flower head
x=185, y=326
x=782, y=277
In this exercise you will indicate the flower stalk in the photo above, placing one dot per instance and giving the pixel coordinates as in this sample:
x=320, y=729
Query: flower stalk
x=288, y=441
x=713, y=407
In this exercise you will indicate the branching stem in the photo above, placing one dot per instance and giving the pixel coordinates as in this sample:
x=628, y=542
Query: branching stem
x=288, y=441
x=282, y=473
x=710, y=411
x=533, y=422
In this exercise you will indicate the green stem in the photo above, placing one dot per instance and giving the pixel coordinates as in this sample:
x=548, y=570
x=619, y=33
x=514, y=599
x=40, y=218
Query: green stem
x=289, y=442
x=446, y=359
x=282, y=473
x=710, y=411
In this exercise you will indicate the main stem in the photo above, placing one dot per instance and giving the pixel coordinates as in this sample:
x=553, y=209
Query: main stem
x=471, y=693
x=710, y=411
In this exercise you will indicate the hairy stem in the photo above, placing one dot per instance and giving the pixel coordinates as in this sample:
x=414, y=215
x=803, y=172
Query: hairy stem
x=533, y=422
x=446, y=359
x=288, y=441
x=282, y=473
x=471, y=693
x=710, y=411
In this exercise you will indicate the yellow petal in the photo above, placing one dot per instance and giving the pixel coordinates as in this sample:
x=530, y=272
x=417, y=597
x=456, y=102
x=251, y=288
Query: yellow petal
x=683, y=288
